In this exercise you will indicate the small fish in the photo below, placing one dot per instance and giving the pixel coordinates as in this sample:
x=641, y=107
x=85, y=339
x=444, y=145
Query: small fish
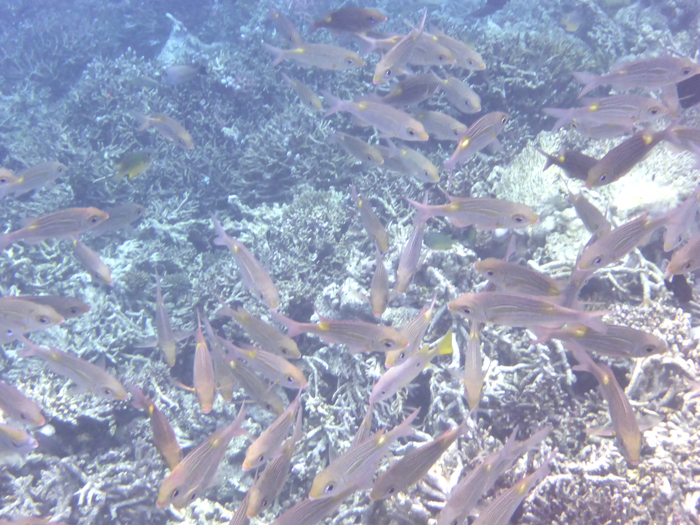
x=622, y=158
x=15, y=441
x=574, y=164
x=120, y=217
x=617, y=109
x=358, y=336
x=22, y=316
x=257, y=389
x=680, y=220
x=170, y=129
x=571, y=21
x=521, y=311
x=33, y=178
x=90, y=260
x=414, y=465
x=306, y=95
x=429, y=52
x=163, y=434
x=414, y=162
x=516, y=278
x=203, y=373
x=373, y=226
x=409, y=259
x=87, y=376
x=285, y=27
x=321, y=56
x=62, y=224
x=460, y=95
x=67, y=307
x=465, y=56
x=379, y=287
x=398, y=56
x=484, y=213
x=223, y=374
x=647, y=73
x=440, y=126
x=592, y=218
x=19, y=407
x=686, y=259
x=389, y=121
x=134, y=164
x=350, y=19
x=269, y=444
x=164, y=330
x=254, y=276
x=312, y=511
x=439, y=241
x=479, y=135
x=414, y=332
x=412, y=90
x=180, y=74
x=264, y=334
x=474, y=376
x=194, y=474
x=365, y=153
x=358, y=464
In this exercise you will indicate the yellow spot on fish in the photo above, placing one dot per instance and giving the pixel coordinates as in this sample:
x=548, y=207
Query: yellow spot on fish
x=606, y=380
x=593, y=107
x=521, y=488
x=580, y=332
x=359, y=203
x=33, y=226
x=329, y=19
x=453, y=206
x=464, y=143
x=151, y=409
x=647, y=139
x=324, y=326
x=234, y=249
x=562, y=158
x=362, y=106
x=20, y=180
x=381, y=440
x=299, y=51
x=215, y=442
x=399, y=90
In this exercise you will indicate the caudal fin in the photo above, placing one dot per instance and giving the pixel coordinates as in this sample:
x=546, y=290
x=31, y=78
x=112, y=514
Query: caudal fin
x=563, y=116
x=277, y=54
x=293, y=328
x=335, y=103
x=590, y=81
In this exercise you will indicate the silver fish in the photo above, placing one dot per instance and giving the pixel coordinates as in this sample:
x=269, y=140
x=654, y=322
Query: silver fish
x=440, y=126
x=479, y=135
x=19, y=407
x=516, y=278
x=398, y=56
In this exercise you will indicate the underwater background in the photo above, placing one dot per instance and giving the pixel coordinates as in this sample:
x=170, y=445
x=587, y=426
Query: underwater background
x=77, y=79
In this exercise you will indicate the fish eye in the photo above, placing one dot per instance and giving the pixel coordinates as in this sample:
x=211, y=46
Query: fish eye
x=603, y=178
x=442, y=58
x=466, y=310
x=329, y=488
x=687, y=266
x=411, y=132
x=387, y=73
x=23, y=416
x=9, y=332
x=17, y=444
x=649, y=350
x=518, y=218
x=193, y=496
x=371, y=20
x=94, y=219
x=74, y=311
x=107, y=391
x=369, y=157
x=350, y=61
x=290, y=380
x=470, y=62
x=391, y=490
x=490, y=273
x=43, y=319
x=402, y=356
x=686, y=70
x=598, y=260
x=383, y=392
x=60, y=170
x=387, y=343
x=3, y=181
x=175, y=493
x=261, y=458
x=653, y=111
x=504, y=120
x=264, y=503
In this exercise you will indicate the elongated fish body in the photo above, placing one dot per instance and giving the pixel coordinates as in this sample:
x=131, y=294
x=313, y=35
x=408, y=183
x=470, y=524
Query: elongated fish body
x=592, y=218
x=440, y=126
x=482, y=133
x=312, y=511
x=285, y=27
x=15, y=441
x=415, y=163
x=240, y=517
x=264, y=334
x=357, y=465
x=322, y=56
x=391, y=122
x=203, y=373
x=169, y=128
x=36, y=177
x=67, y=307
x=164, y=331
x=19, y=407
x=358, y=336
x=225, y=379
x=501, y=509
x=484, y=213
x=684, y=137
x=195, y=473
x=409, y=259
x=429, y=52
x=365, y=153
x=474, y=376
x=254, y=276
x=574, y=164
x=398, y=56
x=379, y=287
x=120, y=217
x=305, y=93
x=412, y=90
x=351, y=19
x=680, y=221
x=19, y=315
x=621, y=159
x=617, y=109
x=87, y=376
x=516, y=278
x=521, y=311
x=465, y=56
x=621, y=412
x=91, y=262
x=163, y=434
x=62, y=224
x=411, y=468
x=686, y=259
x=460, y=95
x=414, y=332
x=647, y=73
x=373, y=226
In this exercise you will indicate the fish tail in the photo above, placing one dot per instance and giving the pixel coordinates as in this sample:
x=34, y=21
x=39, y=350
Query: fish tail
x=220, y=239
x=590, y=81
x=293, y=328
x=593, y=321
x=547, y=156
x=139, y=400
x=444, y=347
x=367, y=45
x=144, y=121
x=335, y=102
x=563, y=117
x=422, y=211
x=29, y=349
x=277, y=54
x=6, y=239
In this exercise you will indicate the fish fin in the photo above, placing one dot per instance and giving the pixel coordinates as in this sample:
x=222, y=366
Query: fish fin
x=563, y=117
x=422, y=211
x=549, y=158
x=6, y=239
x=144, y=121
x=444, y=346
x=335, y=103
x=277, y=54
x=590, y=81
x=648, y=421
x=29, y=349
x=604, y=431
x=593, y=320
x=292, y=326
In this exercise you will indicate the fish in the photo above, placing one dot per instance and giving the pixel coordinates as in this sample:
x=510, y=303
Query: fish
x=465, y=56
x=574, y=164
x=571, y=21
x=685, y=138
x=87, y=377
x=62, y=224
x=474, y=376
x=357, y=465
x=379, y=287
x=440, y=126
x=516, y=278
x=484, y=213
x=429, y=52
x=15, y=441
x=306, y=95
x=460, y=95
x=240, y=516
x=398, y=56
x=321, y=56
x=181, y=73
x=522, y=311
x=592, y=218
x=439, y=241
x=602, y=130
x=256, y=388
x=7, y=181
x=371, y=223
x=365, y=428
x=616, y=109
x=622, y=158
x=19, y=407
x=618, y=341
x=647, y=73
x=66, y=307
x=365, y=153
x=412, y=90
x=415, y=163
x=621, y=412
x=163, y=434
x=91, y=262
x=253, y=275
x=686, y=259
x=414, y=332
x=164, y=330
x=501, y=509
x=680, y=220
x=358, y=336
x=389, y=121
x=264, y=334
x=312, y=511
x=479, y=135
x=268, y=444
x=120, y=217
x=490, y=7
x=169, y=128
x=196, y=471
x=134, y=164
x=401, y=375
x=409, y=259
x=285, y=27
x=618, y=242
x=24, y=520
x=350, y=19
x=20, y=315
x=203, y=373
x=223, y=374
x=33, y=178
x=414, y=465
